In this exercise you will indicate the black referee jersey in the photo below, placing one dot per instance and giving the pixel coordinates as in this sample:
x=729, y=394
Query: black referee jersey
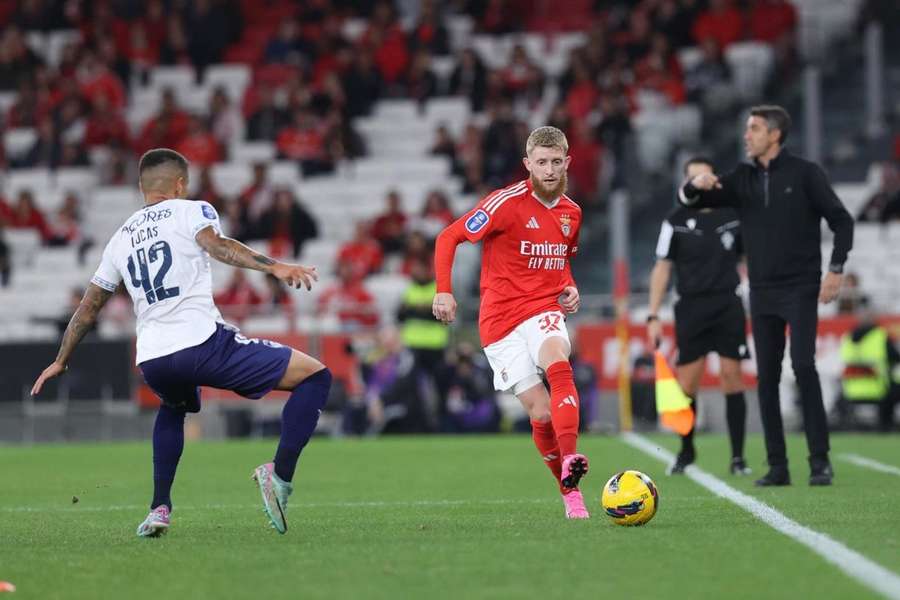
x=705, y=246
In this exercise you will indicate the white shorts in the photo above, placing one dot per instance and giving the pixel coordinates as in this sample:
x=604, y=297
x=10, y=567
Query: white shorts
x=514, y=358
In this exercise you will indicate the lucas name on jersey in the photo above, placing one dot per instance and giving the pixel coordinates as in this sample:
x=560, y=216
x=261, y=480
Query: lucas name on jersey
x=140, y=230
x=546, y=256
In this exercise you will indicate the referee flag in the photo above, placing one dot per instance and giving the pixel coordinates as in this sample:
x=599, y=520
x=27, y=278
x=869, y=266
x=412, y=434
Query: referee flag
x=672, y=404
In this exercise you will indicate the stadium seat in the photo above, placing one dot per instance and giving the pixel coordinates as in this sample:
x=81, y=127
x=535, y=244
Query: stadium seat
x=18, y=141
x=24, y=246
x=175, y=77
x=233, y=77
x=252, y=152
x=751, y=65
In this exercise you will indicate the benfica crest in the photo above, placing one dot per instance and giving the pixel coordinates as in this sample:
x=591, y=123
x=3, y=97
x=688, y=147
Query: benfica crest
x=566, y=221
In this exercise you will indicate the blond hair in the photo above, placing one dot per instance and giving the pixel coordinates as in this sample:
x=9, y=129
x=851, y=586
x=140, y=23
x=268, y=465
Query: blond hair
x=548, y=136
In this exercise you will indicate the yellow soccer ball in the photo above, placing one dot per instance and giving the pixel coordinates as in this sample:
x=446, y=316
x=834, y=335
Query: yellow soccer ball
x=630, y=498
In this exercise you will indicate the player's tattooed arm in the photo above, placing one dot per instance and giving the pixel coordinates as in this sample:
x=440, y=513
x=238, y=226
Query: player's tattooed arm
x=82, y=321
x=232, y=252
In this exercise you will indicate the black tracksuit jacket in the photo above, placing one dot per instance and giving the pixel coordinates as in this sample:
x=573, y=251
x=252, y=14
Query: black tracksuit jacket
x=781, y=208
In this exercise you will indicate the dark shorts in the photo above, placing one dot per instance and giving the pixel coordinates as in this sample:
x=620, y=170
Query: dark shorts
x=713, y=324
x=226, y=360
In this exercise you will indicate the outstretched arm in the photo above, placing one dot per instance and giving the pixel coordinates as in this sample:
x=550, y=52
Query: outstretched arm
x=234, y=253
x=708, y=190
x=82, y=321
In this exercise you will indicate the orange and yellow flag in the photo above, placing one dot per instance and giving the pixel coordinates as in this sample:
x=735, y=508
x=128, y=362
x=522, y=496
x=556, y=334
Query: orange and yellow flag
x=672, y=405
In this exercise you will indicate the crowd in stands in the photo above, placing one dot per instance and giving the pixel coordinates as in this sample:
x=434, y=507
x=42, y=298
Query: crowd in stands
x=312, y=77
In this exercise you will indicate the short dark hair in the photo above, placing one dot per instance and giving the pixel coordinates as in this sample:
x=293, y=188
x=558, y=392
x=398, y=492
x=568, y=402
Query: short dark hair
x=161, y=156
x=776, y=118
x=698, y=160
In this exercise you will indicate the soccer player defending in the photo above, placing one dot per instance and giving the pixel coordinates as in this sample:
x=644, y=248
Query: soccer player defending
x=162, y=254
x=529, y=230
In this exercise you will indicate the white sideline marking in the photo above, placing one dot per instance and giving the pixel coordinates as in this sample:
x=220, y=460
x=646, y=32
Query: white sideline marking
x=862, y=461
x=855, y=565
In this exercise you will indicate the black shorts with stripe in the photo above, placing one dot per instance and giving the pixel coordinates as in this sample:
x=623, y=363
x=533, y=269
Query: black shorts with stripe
x=705, y=324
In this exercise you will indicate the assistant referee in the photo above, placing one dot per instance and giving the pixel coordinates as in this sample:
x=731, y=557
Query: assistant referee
x=781, y=200
x=703, y=248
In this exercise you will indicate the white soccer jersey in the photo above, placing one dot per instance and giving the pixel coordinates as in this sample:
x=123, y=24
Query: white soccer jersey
x=167, y=274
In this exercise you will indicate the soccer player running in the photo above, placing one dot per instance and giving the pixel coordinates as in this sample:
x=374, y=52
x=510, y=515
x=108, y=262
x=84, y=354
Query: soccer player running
x=529, y=231
x=161, y=253
x=704, y=248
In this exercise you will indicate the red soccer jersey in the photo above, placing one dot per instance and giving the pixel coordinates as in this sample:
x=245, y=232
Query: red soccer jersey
x=524, y=258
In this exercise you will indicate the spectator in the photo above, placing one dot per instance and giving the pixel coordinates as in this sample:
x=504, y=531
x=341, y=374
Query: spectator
x=167, y=128
x=199, y=146
x=522, y=78
x=674, y=18
x=224, y=120
x=73, y=154
x=851, y=299
x=211, y=31
x=709, y=81
x=285, y=47
x=444, y=145
x=174, y=49
x=17, y=61
x=305, y=141
x=105, y=126
x=426, y=337
x=65, y=227
x=429, y=32
x=471, y=403
x=206, y=190
x=387, y=41
x=24, y=111
x=721, y=21
x=421, y=83
x=96, y=80
x=502, y=150
x=418, y=249
x=469, y=79
x=436, y=215
x=389, y=228
x=235, y=222
x=25, y=215
x=587, y=162
x=362, y=83
x=267, y=119
x=256, y=198
x=772, y=20
x=395, y=399
x=46, y=149
x=239, y=299
x=884, y=205
x=287, y=225
x=362, y=253
x=348, y=301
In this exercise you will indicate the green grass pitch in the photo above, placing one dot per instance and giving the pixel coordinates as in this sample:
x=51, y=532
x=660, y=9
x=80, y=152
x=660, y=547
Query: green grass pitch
x=440, y=517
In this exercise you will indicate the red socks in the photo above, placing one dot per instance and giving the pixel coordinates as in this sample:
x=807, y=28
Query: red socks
x=563, y=406
x=545, y=440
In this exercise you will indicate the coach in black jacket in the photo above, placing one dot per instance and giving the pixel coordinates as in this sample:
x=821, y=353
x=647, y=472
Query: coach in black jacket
x=781, y=200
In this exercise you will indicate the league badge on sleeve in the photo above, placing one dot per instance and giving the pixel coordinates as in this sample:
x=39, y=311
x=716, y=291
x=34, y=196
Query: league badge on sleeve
x=477, y=221
x=566, y=222
x=209, y=212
